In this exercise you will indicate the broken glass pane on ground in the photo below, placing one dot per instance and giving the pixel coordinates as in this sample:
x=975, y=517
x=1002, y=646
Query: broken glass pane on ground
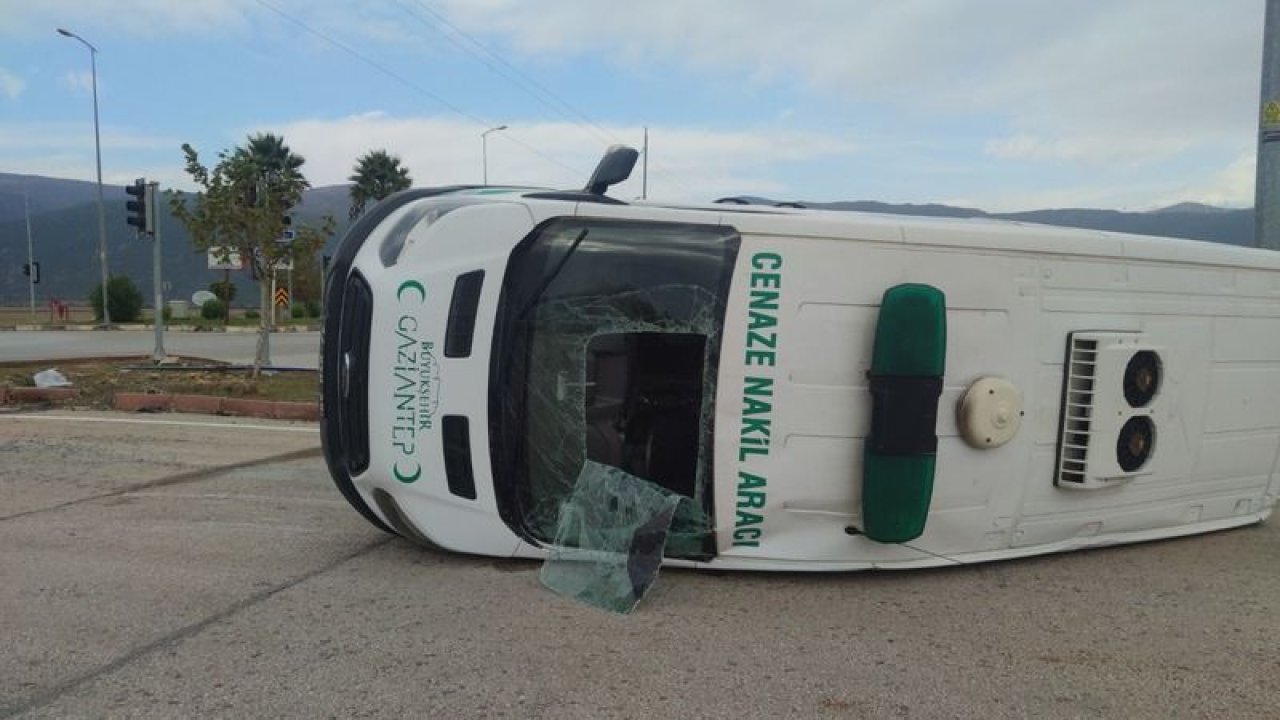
x=612, y=533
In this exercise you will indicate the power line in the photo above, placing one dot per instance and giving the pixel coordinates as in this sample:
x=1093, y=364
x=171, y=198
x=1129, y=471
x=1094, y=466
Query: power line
x=523, y=81
x=409, y=83
x=516, y=76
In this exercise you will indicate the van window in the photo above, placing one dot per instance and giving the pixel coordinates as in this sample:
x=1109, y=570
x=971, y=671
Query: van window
x=607, y=348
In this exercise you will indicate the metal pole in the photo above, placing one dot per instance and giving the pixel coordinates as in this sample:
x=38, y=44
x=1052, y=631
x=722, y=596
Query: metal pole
x=484, y=149
x=102, y=215
x=268, y=318
x=274, y=318
x=31, y=261
x=159, y=353
x=644, y=169
x=1267, y=198
x=97, y=146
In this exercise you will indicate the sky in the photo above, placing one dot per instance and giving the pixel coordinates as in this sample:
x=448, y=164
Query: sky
x=1002, y=105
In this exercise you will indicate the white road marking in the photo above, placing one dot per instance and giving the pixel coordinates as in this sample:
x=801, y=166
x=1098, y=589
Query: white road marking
x=181, y=423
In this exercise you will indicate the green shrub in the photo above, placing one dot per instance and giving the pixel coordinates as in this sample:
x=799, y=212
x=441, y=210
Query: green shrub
x=313, y=308
x=252, y=314
x=167, y=314
x=297, y=312
x=123, y=299
x=223, y=290
x=212, y=310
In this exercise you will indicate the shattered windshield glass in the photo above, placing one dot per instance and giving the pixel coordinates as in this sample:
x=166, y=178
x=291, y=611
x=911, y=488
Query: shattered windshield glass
x=607, y=350
x=612, y=533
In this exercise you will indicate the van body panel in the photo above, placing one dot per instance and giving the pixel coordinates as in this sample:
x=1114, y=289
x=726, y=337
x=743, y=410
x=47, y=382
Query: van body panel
x=792, y=408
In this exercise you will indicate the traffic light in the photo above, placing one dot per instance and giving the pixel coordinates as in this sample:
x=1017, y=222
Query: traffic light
x=142, y=212
x=288, y=232
x=32, y=270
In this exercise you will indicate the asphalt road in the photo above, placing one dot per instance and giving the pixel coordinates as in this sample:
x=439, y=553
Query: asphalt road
x=154, y=569
x=301, y=349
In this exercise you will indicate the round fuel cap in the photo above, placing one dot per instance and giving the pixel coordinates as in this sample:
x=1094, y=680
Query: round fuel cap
x=990, y=412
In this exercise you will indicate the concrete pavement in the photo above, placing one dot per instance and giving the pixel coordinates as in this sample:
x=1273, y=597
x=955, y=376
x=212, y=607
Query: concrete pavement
x=210, y=570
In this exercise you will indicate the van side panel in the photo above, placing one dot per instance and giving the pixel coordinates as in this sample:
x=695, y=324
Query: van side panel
x=1009, y=315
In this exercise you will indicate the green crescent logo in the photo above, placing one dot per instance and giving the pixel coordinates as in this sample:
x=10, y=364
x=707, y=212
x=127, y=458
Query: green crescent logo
x=412, y=285
x=406, y=479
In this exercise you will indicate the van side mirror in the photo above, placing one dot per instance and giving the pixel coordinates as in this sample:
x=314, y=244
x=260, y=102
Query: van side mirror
x=613, y=168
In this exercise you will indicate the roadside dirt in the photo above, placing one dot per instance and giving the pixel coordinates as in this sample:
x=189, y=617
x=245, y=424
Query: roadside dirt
x=99, y=380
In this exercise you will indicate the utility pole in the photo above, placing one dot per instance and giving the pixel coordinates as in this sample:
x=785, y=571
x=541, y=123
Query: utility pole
x=644, y=169
x=1266, y=207
x=32, y=270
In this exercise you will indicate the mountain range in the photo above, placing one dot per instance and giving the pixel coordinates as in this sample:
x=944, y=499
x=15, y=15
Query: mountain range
x=64, y=234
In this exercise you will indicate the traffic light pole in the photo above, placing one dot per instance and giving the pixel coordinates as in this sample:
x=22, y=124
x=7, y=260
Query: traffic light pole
x=154, y=218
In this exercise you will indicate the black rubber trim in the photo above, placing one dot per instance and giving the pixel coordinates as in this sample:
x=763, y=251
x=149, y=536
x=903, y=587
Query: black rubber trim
x=904, y=414
x=575, y=196
x=462, y=314
x=457, y=456
x=335, y=454
x=353, y=344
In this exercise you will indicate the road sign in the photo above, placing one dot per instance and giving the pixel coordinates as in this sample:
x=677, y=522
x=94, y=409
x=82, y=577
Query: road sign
x=224, y=258
x=282, y=297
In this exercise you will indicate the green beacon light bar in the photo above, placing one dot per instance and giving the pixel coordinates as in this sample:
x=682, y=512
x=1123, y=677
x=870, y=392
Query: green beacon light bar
x=907, y=366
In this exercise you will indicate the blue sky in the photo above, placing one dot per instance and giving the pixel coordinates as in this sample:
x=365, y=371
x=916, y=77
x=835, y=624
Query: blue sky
x=998, y=104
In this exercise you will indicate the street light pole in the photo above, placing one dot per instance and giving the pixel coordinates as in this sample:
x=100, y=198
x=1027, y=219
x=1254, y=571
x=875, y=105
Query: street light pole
x=97, y=147
x=484, y=149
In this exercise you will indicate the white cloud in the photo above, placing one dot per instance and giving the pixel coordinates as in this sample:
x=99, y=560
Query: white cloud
x=1113, y=88
x=151, y=18
x=1232, y=186
x=1105, y=149
x=689, y=164
x=1090, y=79
x=78, y=81
x=77, y=136
x=66, y=150
x=11, y=86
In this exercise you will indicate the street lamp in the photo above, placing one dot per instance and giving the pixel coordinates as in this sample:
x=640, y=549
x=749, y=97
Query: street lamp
x=97, y=146
x=484, y=149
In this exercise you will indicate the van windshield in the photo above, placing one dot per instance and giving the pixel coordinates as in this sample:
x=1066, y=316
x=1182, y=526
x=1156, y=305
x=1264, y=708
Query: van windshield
x=606, y=350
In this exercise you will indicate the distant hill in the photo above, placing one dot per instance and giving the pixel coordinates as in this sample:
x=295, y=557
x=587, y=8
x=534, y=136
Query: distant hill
x=64, y=232
x=64, y=229
x=48, y=194
x=1185, y=220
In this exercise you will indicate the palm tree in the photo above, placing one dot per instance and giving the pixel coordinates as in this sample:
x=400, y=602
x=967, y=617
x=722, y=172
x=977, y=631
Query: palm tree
x=377, y=175
x=278, y=169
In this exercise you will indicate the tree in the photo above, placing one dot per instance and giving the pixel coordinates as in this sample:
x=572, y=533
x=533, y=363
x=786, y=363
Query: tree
x=123, y=299
x=306, y=277
x=377, y=175
x=241, y=206
x=224, y=290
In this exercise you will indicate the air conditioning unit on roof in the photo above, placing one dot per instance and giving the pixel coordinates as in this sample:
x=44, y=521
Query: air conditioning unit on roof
x=1110, y=390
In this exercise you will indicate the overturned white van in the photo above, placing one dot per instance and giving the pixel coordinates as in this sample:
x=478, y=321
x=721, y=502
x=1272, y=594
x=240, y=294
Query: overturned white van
x=507, y=371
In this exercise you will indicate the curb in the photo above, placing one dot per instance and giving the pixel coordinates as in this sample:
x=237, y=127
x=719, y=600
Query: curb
x=36, y=395
x=213, y=405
